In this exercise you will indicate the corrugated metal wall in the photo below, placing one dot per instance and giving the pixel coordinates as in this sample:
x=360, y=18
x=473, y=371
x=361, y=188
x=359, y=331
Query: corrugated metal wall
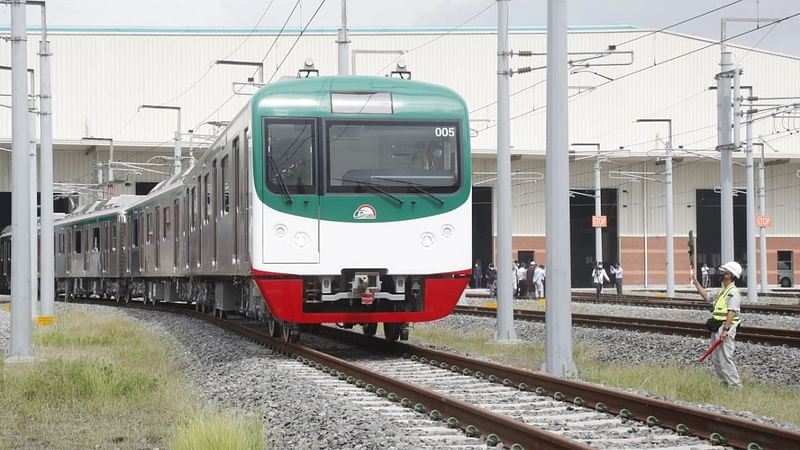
x=782, y=194
x=100, y=79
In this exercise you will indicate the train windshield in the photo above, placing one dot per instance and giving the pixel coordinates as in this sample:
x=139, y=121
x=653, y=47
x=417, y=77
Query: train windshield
x=393, y=156
x=290, y=156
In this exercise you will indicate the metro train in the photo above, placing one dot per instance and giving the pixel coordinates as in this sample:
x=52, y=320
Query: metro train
x=326, y=200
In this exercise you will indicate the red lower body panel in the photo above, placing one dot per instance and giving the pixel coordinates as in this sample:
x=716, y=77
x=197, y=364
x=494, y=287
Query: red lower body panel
x=284, y=297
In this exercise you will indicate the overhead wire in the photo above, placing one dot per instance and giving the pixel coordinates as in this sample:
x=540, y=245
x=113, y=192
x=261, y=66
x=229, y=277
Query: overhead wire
x=669, y=60
x=208, y=70
x=289, y=52
x=425, y=44
x=655, y=64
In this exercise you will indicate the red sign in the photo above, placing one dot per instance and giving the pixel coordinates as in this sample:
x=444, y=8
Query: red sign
x=599, y=221
x=763, y=221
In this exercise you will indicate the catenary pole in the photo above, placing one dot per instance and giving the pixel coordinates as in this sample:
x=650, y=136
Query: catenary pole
x=644, y=223
x=505, y=297
x=724, y=145
x=670, y=238
x=558, y=325
x=20, y=344
x=32, y=190
x=344, y=43
x=47, y=251
x=598, y=231
x=762, y=232
x=752, y=296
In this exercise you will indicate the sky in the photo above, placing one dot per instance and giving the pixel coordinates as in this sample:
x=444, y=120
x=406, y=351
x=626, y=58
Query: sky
x=651, y=14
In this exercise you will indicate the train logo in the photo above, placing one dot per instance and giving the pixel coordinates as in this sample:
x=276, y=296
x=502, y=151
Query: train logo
x=365, y=212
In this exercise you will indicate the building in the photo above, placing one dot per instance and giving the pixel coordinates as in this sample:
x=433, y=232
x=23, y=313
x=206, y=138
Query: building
x=101, y=77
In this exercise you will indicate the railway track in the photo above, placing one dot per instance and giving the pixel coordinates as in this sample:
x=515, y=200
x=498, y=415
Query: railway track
x=676, y=303
x=436, y=393
x=770, y=336
x=664, y=302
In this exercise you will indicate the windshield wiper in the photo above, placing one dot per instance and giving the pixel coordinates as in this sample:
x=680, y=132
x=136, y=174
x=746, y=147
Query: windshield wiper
x=284, y=189
x=416, y=186
x=374, y=186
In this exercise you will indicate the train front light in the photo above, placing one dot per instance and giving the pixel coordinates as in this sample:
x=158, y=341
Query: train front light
x=427, y=239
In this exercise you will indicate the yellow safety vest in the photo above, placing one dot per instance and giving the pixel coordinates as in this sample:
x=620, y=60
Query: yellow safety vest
x=721, y=305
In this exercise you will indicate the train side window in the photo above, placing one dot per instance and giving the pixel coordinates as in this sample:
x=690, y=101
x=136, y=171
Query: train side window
x=226, y=187
x=96, y=239
x=113, y=237
x=87, y=242
x=78, y=241
x=148, y=228
x=158, y=223
x=135, y=243
x=214, y=187
x=166, y=227
x=192, y=209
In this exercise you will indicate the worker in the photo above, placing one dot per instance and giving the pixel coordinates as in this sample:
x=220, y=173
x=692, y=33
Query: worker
x=724, y=321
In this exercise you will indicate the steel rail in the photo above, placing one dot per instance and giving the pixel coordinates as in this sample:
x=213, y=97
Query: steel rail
x=717, y=428
x=680, y=303
x=487, y=423
x=756, y=335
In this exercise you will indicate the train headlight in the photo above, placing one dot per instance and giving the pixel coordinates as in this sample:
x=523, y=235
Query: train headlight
x=447, y=231
x=301, y=239
x=280, y=231
x=427, y=239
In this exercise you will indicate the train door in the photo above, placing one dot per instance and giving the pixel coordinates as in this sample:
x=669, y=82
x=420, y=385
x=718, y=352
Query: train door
x=158, y=238
x=176, y=248
x=105, y=249
x=235, y=218
x=290, y=201
x=214, y=202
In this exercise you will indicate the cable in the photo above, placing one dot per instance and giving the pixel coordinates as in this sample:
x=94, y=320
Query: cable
x=208, y=70
x=679, y=23
x=649, y=34
x=296, y=40
x=668, y=60
x=437, y=37
x=275, y=41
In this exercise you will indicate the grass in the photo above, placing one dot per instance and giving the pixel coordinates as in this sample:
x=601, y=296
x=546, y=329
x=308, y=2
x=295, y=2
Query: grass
x=690, y=384
x=104, y=382
x=217, y=431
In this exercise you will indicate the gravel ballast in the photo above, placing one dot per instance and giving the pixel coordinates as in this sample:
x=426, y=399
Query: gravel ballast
x=299, y=411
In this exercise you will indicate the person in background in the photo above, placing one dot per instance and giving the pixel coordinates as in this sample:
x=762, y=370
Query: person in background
x=598, y=275
x=724, y=321
x=616, y=272
x=538, y=281
x=529, y=284
x=491, y=279
x=705, y=274
x=477, y=275
x=522, y=285
x=515, y=270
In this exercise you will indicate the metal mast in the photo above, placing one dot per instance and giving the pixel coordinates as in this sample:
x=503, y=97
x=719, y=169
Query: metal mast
x=505, y=298
x=558, y=343
x=344, y=43
x=724, y=146
x=46, y=251
x=20, y=344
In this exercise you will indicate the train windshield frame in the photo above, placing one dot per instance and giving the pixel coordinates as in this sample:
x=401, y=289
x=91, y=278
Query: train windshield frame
x=394, y=156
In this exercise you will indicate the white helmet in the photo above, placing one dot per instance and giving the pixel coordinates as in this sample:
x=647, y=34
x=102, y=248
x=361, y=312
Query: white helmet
x=733, y=268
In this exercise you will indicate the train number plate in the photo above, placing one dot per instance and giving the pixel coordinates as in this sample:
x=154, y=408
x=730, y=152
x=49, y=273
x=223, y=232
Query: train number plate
x=367, y=298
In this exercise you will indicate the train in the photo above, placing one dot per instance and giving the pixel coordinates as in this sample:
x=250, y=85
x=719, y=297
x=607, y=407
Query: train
x=326, y=199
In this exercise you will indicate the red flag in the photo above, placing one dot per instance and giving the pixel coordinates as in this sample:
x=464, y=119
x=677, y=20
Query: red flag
x=710, y=349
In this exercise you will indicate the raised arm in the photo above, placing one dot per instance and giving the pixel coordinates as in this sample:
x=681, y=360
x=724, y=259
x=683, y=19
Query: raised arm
x=700, y=289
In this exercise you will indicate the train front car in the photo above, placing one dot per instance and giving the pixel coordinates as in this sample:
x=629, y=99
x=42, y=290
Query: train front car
x=362, y=211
